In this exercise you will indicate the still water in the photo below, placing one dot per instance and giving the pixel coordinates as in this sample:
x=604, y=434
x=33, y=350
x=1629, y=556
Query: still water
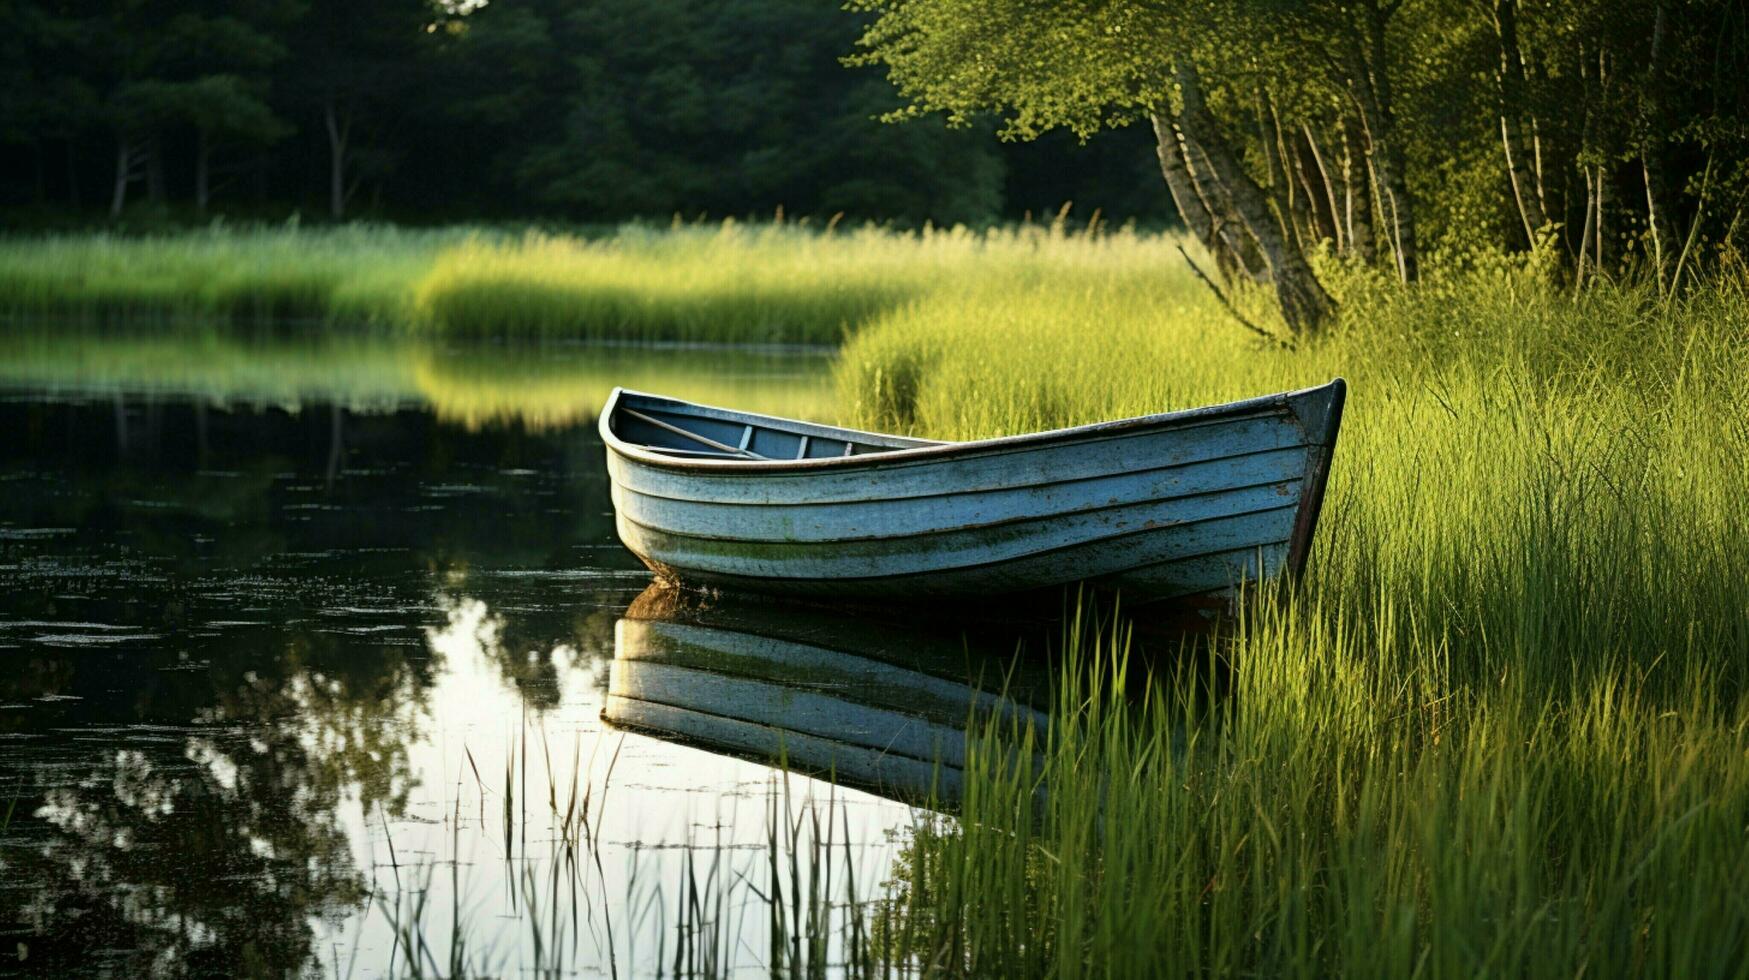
x=308, y=667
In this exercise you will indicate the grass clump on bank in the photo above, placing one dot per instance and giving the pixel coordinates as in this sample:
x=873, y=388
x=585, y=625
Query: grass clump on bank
x=1503, y=727
x=729, y=285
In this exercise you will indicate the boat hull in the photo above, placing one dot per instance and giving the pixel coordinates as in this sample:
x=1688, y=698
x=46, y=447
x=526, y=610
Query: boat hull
x=1184, y=506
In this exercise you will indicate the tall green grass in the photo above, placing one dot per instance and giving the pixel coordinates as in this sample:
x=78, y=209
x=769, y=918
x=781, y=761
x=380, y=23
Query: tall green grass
x=760, y=284
x=356, y=276
x=720, y=283
x=1502, y=728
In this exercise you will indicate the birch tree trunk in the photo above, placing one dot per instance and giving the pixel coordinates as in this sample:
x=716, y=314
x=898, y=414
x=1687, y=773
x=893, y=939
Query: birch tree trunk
x=1333, y=212
x=1357, y=193
x=125, y=154
x=1305, y=306
x=1660, y=210
x=1520, y=155
x=1371, y=87
x=1218, y=232
x=1315, y=182
x=1281, y=184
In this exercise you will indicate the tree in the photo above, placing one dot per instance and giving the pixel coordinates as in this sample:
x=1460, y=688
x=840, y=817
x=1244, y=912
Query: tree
x=218, y=56
x=40, y=101
x=683, y=106
x=355, y=68
x=1091, y=66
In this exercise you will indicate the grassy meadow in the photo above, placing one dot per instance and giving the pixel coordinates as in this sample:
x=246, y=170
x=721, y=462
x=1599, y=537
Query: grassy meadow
x=1501, y=729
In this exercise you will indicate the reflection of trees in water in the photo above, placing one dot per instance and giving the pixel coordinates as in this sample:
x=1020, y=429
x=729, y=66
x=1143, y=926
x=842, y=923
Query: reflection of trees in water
x=206, y=849
x=533, y=661
x=167, y=869
x=181, y=793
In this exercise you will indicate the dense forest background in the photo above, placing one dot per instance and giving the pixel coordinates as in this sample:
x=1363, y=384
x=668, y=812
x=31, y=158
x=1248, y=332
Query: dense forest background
x=418, y=111
x=1607, y=136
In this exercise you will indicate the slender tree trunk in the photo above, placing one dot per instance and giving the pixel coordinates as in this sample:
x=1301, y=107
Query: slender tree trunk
x=1382, y=211
x=1660, y=209
x=1566, y=209
x=1357, y=193
x=1301, y=211
x=1585, y=234
x=1218, y=232
x=1229, y=225
x=1599, y=256
x=338, y=131
x=1306, y=209
x=1520, y=157
x=1371, y=87
x=1325, y=191
x=1192, y=209
x=124, y=159
x=1320, y=217
x=1305, y=306
x=1587, y=125
x=1281, y=188
x=1536, y=157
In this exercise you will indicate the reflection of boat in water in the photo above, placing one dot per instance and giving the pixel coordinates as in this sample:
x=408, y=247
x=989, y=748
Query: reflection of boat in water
x=871, y=704
x=1180, y=507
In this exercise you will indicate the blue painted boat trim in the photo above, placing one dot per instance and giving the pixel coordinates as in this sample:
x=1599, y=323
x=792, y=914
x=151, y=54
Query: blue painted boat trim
x=1318, y=411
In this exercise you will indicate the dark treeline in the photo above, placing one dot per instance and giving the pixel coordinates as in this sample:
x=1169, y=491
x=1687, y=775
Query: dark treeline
x=425, y=111
x=1614, y=131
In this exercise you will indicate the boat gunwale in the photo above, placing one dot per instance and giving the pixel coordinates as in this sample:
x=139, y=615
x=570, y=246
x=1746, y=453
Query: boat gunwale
x=932, y=451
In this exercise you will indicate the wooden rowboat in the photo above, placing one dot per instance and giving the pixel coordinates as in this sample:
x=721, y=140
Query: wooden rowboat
x=873, y=704
x=1183, y=506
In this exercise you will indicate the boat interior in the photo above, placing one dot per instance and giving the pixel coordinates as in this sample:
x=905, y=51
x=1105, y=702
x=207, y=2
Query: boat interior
x=682, y=429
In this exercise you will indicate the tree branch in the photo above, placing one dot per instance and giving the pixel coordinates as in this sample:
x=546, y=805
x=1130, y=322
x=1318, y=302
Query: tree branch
x=1247, y=324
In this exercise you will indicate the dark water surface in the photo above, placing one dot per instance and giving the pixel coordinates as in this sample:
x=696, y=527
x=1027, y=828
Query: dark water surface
x=298, y=686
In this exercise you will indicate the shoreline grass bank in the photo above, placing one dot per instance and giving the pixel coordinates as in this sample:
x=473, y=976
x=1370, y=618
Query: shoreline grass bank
x=720, y=283
x=1503, y=727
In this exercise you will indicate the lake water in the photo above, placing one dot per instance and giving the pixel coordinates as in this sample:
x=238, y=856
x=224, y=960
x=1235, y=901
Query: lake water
x=305, y=651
